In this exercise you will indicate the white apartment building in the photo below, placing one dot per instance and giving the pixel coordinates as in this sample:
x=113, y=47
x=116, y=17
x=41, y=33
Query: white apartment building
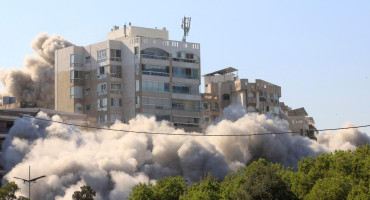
x=136, y=71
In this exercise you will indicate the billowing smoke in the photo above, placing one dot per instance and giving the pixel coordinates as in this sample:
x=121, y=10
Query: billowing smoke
x=35, y=82
x=113, y=162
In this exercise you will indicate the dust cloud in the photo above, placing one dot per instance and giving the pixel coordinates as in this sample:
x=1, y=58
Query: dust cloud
x=112, y=162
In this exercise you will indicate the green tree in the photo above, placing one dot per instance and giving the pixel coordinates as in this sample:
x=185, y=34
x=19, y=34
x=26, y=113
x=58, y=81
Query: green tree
x=338, y=175
x=142, y=192
x=169, y=188
x=7, y=192
x=259, y=180
x=86, y=193
x=331, y=188
x=207, y=189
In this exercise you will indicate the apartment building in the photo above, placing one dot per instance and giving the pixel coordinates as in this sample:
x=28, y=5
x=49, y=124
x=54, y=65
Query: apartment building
x=135, y=71
x=299, y=122
x=223, y=88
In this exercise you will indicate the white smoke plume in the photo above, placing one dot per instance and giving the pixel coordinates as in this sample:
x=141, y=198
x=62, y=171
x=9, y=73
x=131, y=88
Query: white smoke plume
x=113, y=162
x=35, y=82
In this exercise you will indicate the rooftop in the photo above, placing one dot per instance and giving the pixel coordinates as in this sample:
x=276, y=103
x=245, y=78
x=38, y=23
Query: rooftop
x=222, y=72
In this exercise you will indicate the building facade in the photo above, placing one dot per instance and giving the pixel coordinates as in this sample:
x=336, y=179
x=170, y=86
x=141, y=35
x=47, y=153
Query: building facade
x=223, y=88
x=136, y=71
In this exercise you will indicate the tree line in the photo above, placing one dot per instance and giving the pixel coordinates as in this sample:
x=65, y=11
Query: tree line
x=338, y=175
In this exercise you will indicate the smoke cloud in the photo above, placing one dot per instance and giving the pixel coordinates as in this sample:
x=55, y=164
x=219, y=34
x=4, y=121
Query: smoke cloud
x=113, y=162
x=35, y=82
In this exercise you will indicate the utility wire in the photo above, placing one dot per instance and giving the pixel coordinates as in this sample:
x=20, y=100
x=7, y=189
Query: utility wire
x=187, y=134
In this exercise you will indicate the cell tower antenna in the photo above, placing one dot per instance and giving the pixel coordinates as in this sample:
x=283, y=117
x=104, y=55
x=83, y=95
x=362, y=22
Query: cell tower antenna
x=186, y=26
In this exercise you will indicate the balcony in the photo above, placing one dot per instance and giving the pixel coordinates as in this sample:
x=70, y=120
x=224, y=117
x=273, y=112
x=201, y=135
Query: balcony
x=154, y=57
x=185, y=60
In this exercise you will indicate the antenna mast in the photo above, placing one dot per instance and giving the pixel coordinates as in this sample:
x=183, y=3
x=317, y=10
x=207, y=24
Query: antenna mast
x=186, y=26
x=29, y=181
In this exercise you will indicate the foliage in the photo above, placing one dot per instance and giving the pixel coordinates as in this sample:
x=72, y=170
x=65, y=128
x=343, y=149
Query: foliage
x=86, y=193
x=207, y=189
x=260, y=180
x=338, y=175
x=331, y=176
x=167, y=188
x=142, y=191
x=7, y=192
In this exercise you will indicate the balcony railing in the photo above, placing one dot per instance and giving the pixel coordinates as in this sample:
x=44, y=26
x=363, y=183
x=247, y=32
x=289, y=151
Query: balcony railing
x=185, y=60
x=154, y=57
x=151, y=73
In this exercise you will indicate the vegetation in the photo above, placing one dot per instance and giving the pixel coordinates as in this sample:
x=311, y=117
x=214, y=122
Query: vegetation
x=86, y=193
x=338, y=175
x=7, y=192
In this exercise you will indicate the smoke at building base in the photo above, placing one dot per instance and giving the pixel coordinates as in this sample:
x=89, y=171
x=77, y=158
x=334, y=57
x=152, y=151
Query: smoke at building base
x=113, y=162
x=34, y=83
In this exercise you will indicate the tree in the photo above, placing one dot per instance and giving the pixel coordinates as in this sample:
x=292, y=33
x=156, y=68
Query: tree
x=86, y=193
x=167, y=188
x=7, y=192
x=207, y=189
x=338, y=175
x=259, y=180
x=142, y=192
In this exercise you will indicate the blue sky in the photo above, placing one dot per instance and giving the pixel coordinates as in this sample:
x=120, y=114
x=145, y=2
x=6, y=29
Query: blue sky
x=317, y=51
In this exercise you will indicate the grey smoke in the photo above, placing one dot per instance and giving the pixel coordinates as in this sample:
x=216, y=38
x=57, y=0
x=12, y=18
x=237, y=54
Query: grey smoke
x=35, y=82
x=113, y=162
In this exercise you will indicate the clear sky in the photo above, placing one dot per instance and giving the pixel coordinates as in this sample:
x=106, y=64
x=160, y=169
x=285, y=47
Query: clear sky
x=317, y=51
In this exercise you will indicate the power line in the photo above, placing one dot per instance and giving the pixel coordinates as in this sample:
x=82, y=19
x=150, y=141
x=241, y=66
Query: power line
x=187, y=134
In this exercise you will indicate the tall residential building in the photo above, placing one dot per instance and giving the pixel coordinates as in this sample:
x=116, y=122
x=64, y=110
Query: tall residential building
x=223, y=88
x=136, y=71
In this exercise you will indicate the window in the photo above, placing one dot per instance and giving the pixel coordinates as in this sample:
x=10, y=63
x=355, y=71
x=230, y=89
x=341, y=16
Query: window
x=87, y=59
x=87, y=107
x=76, y=92
x=102, y=56
x=137, y=85
x=102, y=119
x=185, y=57
x=76, y=60
x=137, y=69
x=155, y=70
x=102, y=88
x=186, y=105
x=115, y=55
x=136, y=50
x=78, y=108
x=102, y=72
x=155, y=86
x=115, y=117
x=116, y=71
x=115, y=102
x=76, y=76
x=154, y=53
x=215, y=107
x=188, y=73
x=185, y=88
x=116, y=88
x=156, y=103
x=102, y=104
x=226, y=96
x=87, y=75
x=185, y=121
x=87, y=91
x=137, y=102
